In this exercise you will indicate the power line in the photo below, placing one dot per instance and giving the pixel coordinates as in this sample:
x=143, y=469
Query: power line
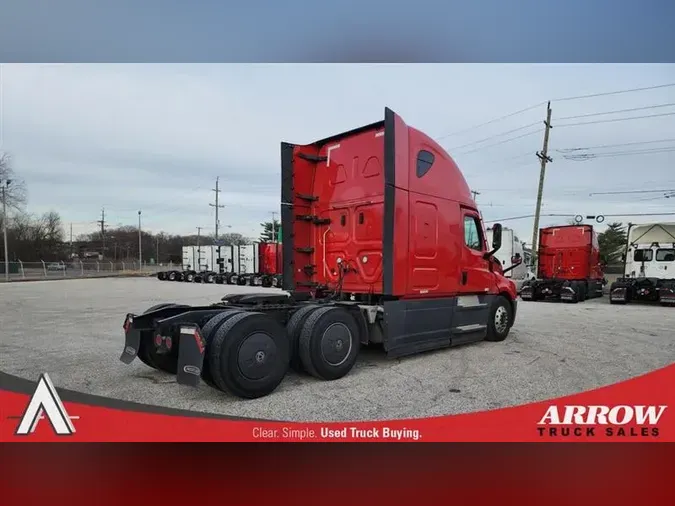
x=590, y=156
x=562, y=150
x=492, y=121
x=501, y=142
x=593, y=95
x=525, y=216
x=618, y=119
x=617, y=111
x=629, y=191
x=496, y=135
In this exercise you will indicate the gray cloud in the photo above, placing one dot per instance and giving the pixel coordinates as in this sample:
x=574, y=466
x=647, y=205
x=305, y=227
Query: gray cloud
x=155, y=137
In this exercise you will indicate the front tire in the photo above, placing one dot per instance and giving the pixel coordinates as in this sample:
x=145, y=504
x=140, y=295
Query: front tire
x=501, y=320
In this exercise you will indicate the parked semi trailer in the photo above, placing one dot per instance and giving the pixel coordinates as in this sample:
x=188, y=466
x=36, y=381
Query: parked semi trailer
x=568, y=265
x=649, y=266
x=382, y=243
x=512, y=253
x=257, y=264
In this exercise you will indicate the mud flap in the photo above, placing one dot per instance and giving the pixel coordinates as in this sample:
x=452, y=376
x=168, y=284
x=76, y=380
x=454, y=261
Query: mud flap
x=132, y=340
x=568, y=294
x=190, y=355
x=619, y=295
x=526, y=293
x=667, y=296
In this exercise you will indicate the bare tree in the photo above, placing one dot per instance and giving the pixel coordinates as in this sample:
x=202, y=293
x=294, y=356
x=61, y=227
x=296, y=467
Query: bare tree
x=16, y=193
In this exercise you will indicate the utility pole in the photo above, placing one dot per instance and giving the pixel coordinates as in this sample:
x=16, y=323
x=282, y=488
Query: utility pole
x=199, y=251
x=217, y=206
x=102, y=223
x=157, y=255
x=474, y=194
x=140, y=251
x=543, y=158
x=5, y=186
x=71, y=240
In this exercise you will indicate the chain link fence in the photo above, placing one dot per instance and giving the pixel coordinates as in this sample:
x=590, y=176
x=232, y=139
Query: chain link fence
x=32, y=271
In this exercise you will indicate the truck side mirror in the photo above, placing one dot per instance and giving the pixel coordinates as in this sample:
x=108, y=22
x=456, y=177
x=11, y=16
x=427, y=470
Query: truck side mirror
x=496, y=240
x=496, y=237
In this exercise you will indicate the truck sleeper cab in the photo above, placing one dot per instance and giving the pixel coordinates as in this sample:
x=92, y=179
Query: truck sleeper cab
x=382, y=243
x=649, y=266
x=568, y=265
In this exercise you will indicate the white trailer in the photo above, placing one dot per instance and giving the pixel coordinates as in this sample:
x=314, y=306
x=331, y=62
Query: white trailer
x=649, y=265
x=189, y=261
x=511, y=248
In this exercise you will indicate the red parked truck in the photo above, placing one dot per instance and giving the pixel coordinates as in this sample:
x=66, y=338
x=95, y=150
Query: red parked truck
x=568, y=265
x=382, y=243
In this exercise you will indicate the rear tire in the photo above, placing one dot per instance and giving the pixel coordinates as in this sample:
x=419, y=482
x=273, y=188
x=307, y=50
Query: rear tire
x=161, y=276
x=210, y=278
x=266, y=282
x=209, y=331
x=249, y=355
x=167, y=362
x=329, y=343
x=293, y=330
x=501, y=320
x=171, y=276
x=189, y=277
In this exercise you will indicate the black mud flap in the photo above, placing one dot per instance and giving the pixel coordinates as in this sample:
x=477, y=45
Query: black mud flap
x=190, y=355
x=526, y=293
x=619, y=295
x=132, y=340
x=667, y=296
x=567, y=294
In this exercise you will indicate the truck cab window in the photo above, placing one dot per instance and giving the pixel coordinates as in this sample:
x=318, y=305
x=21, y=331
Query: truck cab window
x=472, y=235
x=643, y=255
x=665, y=255
x=425, y=160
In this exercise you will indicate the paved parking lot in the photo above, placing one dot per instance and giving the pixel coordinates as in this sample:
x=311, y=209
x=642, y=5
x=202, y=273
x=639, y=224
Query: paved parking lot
x=72, y=329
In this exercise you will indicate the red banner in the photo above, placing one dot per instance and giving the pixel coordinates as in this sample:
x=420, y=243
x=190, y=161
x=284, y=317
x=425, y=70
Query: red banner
x=636, y=410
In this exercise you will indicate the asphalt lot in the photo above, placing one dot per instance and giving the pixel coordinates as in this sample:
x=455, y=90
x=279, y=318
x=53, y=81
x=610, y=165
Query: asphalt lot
x=72, y=329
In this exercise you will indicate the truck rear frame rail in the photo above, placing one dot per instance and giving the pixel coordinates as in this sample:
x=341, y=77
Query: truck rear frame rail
x=655, y=290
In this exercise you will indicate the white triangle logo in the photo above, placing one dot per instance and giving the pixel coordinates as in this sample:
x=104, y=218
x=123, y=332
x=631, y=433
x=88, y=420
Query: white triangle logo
x=45, y=401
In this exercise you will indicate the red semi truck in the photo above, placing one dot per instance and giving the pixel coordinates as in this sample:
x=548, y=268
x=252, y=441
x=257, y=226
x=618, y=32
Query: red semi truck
x=568, y=265
x=382, y=243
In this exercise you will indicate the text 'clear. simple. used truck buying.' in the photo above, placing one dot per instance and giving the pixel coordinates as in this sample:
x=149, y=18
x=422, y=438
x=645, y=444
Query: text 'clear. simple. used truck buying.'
x=382, y=243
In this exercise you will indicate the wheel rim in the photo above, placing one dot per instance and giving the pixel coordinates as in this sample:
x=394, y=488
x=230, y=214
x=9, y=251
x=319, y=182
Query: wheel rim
x=336, y=344
x=501, y=319
x=256, y=357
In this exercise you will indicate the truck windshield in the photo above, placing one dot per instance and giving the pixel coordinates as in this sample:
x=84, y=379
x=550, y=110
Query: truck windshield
x=643, y=255
x=665, y=255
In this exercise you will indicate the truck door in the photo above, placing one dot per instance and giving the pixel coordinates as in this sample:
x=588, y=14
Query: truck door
x=475, y=274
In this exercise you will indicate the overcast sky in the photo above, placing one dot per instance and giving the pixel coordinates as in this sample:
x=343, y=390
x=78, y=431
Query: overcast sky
x=130, y=137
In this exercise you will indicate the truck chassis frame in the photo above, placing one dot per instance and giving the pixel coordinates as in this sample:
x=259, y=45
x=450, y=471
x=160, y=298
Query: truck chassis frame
x=571, y=291
x=625, y=290
x=246, y=343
